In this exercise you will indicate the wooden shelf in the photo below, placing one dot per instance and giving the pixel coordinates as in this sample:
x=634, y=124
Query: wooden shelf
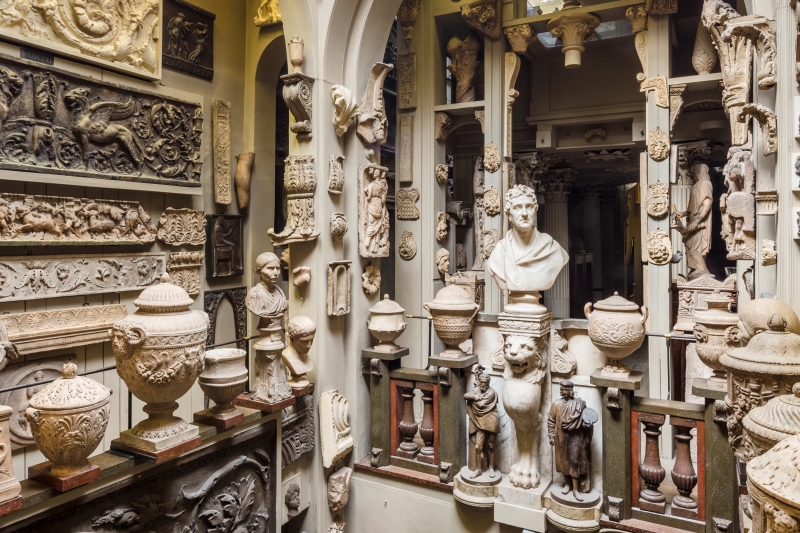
x=458, y=110
x=700, y=82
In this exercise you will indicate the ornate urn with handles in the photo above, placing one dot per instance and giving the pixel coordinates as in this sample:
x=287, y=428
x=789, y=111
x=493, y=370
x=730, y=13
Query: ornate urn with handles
x=223, y=379
x=68, y=419
x=159, y=351
x=716, y=331
x=453, y=312
x=386, y=323
x=616, y=328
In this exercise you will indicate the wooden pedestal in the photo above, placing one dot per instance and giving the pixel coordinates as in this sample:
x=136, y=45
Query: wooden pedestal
x=244, y=400
x=41, y=474
x=161, y=455
x=219, y=421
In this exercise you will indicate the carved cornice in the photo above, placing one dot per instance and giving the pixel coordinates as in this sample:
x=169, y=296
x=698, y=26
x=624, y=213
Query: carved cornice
x=520, y=37
x=484, y=16
x=769, y=125
x=658, y=85
x=761, y=32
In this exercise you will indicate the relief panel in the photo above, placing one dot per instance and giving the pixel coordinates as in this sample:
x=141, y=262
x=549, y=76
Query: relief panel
x=189, y=38
x=225, y=254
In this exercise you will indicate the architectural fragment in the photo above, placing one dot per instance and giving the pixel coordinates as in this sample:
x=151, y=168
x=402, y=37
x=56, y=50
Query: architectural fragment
x=243, y=177
x=269, y=13
x=9, y=486
x=659, y=247
x=301, y=276
x=692, y=294
x=442, y=173
x=225, y=250
x=638, y=17
x=334, y=428
x=408, y=248
x=760, y=31
x=512, y=66
x=407, y=16
x=769, y=254
x=520, y=37
x=407, y=204
x=338, y=288
x=124, y=37
x=658, y=144
x=298, y=90
x=336, y=174
x=189, y=38
x=463, y=65
x=405, y=154
x=407, y=82
x=442, y=258
x=298, y=430
x=738, y=205
x=443, y=125
x=221, y=122
x=102, y=132
x=491, y=201
x=371, y=279
x=178, y=227
x=768, y=122
x=658, y=199
x=571, y=30
x=339, y=489
x=661, y=7
x=300, y=182
x=563, y=361
x=236, y=296
x=345, y=108
x=704, y=56
x=480, y=116
x=53, y=276
x=373, y=126
x=491, y=158
x=442, y=225
x=184, y=269
x=658, y=85
x=373, y=216
x=676, y=95
x=484, y=16
x=300, y=331
x=53, y=220
x=766, y=202
x=773, y=493
x=338, y=226
x=38, y=331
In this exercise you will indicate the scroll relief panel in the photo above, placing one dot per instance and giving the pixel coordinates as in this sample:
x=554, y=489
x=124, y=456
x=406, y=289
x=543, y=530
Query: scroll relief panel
x=122, y=36
x=58, y=123
x=189, y=38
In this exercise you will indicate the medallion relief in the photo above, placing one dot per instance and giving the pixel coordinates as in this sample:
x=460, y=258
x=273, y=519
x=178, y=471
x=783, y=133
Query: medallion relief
x=491, y=201
x=658, y=145
x=659, y=247
x=491, y=158
x=371, y=279
x=658, y=199
x=408, y=248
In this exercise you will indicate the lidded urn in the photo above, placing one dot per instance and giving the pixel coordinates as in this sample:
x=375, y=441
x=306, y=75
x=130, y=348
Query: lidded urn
x=159, y=351
x=386, y=323
x=453, y=312
x=616, y=328
x=773, y=422
x=68, y=419
x=716, y=331
x=773, y=490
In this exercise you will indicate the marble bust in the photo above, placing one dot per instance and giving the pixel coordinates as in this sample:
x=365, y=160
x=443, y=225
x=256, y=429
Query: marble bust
x=301, y=333
x=267, y=299
x=526, y=261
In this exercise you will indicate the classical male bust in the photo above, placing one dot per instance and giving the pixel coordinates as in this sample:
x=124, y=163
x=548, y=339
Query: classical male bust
x=526, y=260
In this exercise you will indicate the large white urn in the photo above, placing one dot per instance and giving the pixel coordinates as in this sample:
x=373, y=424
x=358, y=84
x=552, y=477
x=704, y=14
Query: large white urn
x=616, y=328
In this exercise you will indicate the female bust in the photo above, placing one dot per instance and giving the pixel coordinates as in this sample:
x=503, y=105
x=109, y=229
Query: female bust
x=266, y=299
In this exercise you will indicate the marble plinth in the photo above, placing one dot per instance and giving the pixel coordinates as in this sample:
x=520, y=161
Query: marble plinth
x=521, y=517
x=41, y=474
x=478, y=492
x=302, y=391
x=160, y=456
x=9, y=506
x=572, y=526
x=566, y=506
x=245, y=400
x=527, y=498
x=219, y=420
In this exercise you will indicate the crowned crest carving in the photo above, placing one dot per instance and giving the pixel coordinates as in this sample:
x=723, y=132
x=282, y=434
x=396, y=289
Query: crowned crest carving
x=659, y=247
x=178, y=227
x=300, y=182
x=658, y=199
x=407, y=204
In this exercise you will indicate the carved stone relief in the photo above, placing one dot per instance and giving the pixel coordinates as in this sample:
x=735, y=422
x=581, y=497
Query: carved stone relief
x=224, y=253
x=338, y=226
x=407, y=82
x=121, y=36
x=769, y=254
x=766, y=202
x=463, y=65
x=459, y=212
x=53, y=220
x=184, y=270
x=408, y=248
x=442, y=225
x=297, y=430
x=27, y=278
x=339, y=489
x=336, y=174
x=562, y=360
x=301, y=276
x=189, y=38
x=373, y=127
x=491, y=201
x=371, y=279
x=480, y=116
x=461, y=257
x=65, y=124
x=658, y=144
x=661, y=7
x=269, y=13
x=658, y=199
x=484, y=16
x=442, y=173
x=659, y=247
x=490, y=239
x=373, y=216
x=407, y=204
x=676, y=94
x=236, y=296
x=334, y=428
x=221, y=122
x=243, y=177
x=405, y=127
x=704, y=55
x=738, y=205
x=178, y=227
x=338, y=288
x=768, y=122
x=443, y=125
x=300, y=182
x=520, y=37
x=658, y=85
x=512, y=66
x=345, y=108
x=760, y=31
x=337, y=526
x=298, y=90
x=491, y=158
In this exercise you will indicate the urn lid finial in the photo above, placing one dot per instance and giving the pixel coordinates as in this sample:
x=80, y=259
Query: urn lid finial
x=71, y=391
x=616, y=303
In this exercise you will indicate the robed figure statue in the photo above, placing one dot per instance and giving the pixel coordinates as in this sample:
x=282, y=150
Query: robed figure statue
x=570, y=427
x=484, y=425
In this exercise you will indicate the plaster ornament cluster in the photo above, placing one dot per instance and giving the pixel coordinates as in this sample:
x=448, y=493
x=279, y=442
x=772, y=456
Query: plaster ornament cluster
x=338, y=226
x=336, y=174
x=373, y=215
x=339, y=288
x=658, y=199
x=243, y=178
x=407, y=204
x=408, y=248
x=124, y=37
x=159, y=353
x=658, y=85
x=9, y=486
x=704, y=55
x=738, y=205
x=178, y=227
x=616, y=328
x=716, y=331
x=484, y=16
x=520, y=37
x=77, y=275
x=453, y=313
x=491, y=158
x=491, y=201
x=463, y=65
x=221, y=138
x=298, y=91
x=442, y=173
x=224, y=378
x=68, y=419
x=769, y=253
x=659, y=247
x=301, y=276
x=571, y=30
x=407, y=15
x=269, y=13
x=371, y=279
x=697, y=234
x=301, y=330
x=51, y=220
x=300, y=182
x=339, y=489
x=442, y=226
x=407, y=82
x=658, y=144
x=184, y=270
x=386, y=324
x=334, y=428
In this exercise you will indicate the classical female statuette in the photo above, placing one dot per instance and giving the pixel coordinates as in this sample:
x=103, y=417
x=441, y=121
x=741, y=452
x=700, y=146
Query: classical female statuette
x=301, y=276
x=371, y=279
x=301, y=331
x=616, y=328
x=408, y=248
x=338, y=226
x=697, y=234
x=386, y=323
x=224, y=378
x=453, y=312
x=300, y=182
x=334, y=428
x=373, y=216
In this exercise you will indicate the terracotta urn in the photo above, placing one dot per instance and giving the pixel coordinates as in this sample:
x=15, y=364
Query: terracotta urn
x=68, y=419
x=453, y=312
x=386, y=323
x=159, y=351
x=616, y=328
x=774, y=421
x=716, y=331
x=223, y=379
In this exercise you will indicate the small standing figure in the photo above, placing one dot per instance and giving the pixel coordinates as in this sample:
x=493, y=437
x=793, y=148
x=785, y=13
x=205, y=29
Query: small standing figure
x=484, y=424
x=570, y=427
x=301, y=334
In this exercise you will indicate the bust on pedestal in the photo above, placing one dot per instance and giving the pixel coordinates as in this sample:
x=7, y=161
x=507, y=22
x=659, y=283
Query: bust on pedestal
x=301, y=334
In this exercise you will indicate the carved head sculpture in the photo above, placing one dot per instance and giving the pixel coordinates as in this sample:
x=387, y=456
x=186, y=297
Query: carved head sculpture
x=126, y=336
x=443, y=261
x=482, y=379
x=717, y=12
x=268, y=268
x=700, y=171
x=567, y=390
x=77, y=99
x=292, y=499
x=521, y=207
x=523, y=353
x=301, y=331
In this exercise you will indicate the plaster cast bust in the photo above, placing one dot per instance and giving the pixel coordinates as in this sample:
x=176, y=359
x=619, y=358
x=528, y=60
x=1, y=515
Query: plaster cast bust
x=267, y=299
x=526, y=260
x=301, y=332
x=443, y=262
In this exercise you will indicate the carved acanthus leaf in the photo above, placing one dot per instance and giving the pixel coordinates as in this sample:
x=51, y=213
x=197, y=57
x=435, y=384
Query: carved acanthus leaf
x=300, y=182
x=178, y=227
x=520, y=37
x=761, y=32
x=407, y=16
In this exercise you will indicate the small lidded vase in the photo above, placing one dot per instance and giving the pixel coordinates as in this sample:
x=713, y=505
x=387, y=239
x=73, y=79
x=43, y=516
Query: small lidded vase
x=68, y=419
x=453, y=312
x=616, y=328
x=386, y=323
x=716, y=331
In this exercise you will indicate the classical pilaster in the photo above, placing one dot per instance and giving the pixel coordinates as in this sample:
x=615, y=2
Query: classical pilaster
x=554, y=220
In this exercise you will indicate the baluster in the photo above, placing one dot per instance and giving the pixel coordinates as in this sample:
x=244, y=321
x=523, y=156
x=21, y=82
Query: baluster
x=408, y=449
x=426, y=429
x=683, y=474
x=651, y=471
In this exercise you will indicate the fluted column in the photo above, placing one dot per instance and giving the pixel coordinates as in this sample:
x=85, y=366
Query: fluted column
x=593, y=237
x=554, y=220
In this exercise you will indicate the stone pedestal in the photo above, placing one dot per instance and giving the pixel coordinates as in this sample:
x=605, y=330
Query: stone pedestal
x=478, y=492
x=157, y=456
x=224, y=420
x=146, y=438
x=521, y=508
x=271, y=391
x=41, y=474
x=570, y=515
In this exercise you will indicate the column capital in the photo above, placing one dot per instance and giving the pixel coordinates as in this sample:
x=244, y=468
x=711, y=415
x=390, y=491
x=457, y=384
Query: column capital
x=557, y=185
